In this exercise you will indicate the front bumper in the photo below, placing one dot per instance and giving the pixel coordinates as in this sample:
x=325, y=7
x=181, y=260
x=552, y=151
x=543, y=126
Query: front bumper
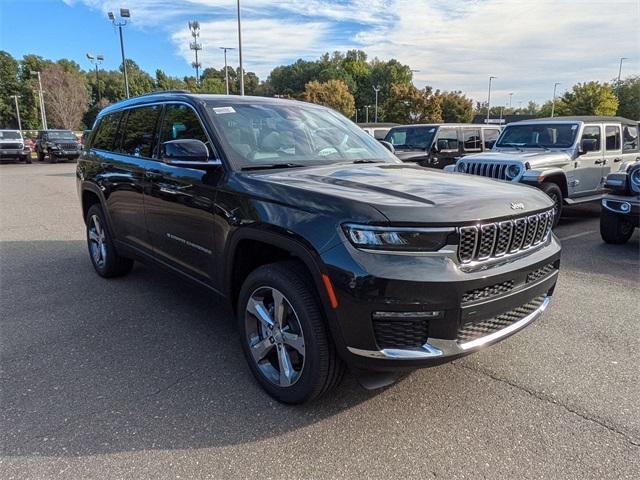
x=439, y=287
x=65, y=153
x=13, y=153
x=623, y=205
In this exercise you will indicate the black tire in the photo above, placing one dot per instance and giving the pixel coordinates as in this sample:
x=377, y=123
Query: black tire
x=41, y=156
x=110, y=264
x=614, y=228
x=52, y=158
x=322, y=368
x=555, y=194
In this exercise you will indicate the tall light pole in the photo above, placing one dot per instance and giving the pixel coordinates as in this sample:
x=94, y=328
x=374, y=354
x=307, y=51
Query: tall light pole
x=15, y=98
x=366, y=113
x=124, y=15
x=240, y=52
x=489, y=99
x=376, y=89
x=226, y=72
x=43, y=115
x=97, y=60
x=620, y=69
x=553, y=102
x=196, y=46
x=510, y=97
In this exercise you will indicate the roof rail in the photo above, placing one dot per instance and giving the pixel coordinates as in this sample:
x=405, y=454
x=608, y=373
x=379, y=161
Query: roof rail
x=161, y=92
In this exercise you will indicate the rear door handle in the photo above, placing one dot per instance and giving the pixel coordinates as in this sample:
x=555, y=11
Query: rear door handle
x=152, y=174
x=616, y=160
x=600, y=162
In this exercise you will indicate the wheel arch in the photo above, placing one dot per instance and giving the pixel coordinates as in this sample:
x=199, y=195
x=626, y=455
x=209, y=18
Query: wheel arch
x=554, y=175
x=90, y=194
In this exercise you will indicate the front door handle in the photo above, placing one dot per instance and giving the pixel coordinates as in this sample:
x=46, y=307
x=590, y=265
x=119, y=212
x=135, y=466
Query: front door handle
x=616, y=160
x=600, y=162
x=153, y=175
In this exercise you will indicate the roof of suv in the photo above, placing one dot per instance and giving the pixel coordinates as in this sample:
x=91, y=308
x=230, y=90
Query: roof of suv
x=583, y=118
x=474, y=125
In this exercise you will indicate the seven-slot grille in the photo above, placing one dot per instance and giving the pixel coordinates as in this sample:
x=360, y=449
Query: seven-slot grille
x=68, y=146
x=471, y=331
x=481, y=242
x=487, y=169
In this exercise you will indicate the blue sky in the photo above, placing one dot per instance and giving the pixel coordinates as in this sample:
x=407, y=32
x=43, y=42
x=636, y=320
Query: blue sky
x=455, y=45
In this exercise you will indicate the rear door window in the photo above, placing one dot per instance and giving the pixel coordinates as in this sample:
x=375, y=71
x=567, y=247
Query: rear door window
x=612, y=133
x=629, y=138
x=139, y=131
x=471, y=139
x=106, y=132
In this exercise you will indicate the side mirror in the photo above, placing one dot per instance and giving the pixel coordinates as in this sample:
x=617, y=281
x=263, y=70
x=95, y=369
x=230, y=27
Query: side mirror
x=588, y=145
x=388, y=146
x=442, y=144
x=190, y=153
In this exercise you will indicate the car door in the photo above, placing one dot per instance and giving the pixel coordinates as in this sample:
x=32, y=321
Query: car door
x=179, y=203
x=123, y=146
x=588, y=166
x=447, y=146
x=612, y=149
x=471, y=140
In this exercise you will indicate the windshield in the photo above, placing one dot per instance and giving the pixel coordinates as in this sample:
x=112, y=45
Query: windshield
x=10, y=136
x=263, y=134
x=62, y=136
x=411, y=137
x=543, y=135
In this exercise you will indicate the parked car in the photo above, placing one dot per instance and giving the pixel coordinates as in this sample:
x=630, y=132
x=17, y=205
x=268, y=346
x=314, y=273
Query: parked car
x=12, y=146
x=57, y=145
x=566, y=157
x=331, y=251
x=620, y=213
x=440, y=144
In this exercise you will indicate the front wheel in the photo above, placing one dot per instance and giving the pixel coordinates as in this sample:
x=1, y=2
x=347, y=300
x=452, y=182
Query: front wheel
x=615, y=229
x=555, y=194
x=284, y=337
x=104, y=257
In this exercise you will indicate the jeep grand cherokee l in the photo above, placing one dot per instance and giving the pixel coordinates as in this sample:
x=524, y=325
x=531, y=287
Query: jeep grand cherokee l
x=332, y=252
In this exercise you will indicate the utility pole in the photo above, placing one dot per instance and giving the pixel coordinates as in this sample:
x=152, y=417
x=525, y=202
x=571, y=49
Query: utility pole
x=376, y=89
x=366, y=112
x=620, y=76
x=226, y=72
x=240, y=52
x=124, y=14
x=96, y=61
x=510, y=97
x=194, y=27
x=553, y=102
x=15, y=98
x=43, y=115
x=489, y=99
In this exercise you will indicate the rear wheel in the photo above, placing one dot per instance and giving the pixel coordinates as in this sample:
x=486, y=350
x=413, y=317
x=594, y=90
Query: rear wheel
x=283, y=334
x=555, y=194
x=104, y=257
x=614, y=228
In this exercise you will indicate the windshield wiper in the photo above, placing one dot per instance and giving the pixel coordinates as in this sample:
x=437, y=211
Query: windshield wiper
x=366, y=160
x=268, y=166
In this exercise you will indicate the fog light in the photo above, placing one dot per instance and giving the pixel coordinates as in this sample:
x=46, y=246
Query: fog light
x=625, y=207
x=407, y=315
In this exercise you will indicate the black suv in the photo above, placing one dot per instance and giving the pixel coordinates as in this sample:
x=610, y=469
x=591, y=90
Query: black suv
x=57, y=145
x=440, y=144
x=331, y=251
x=620, y=213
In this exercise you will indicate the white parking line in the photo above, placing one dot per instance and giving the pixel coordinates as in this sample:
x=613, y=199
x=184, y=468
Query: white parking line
x=581, y=234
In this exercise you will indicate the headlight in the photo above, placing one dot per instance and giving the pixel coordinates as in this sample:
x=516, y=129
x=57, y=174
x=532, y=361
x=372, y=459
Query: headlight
x=513, y=171
x=634, y=178
x=462, y=167
x=407, y=239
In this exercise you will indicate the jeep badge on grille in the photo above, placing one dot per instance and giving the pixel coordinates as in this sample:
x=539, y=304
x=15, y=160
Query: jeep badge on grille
x=517, y=206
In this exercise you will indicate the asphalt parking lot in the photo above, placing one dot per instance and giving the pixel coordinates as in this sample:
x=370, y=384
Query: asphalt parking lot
x=143, y=376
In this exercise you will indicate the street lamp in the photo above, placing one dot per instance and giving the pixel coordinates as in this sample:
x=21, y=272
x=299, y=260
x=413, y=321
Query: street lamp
x=376, y=89
x=194, y=27
x=489, y=99
x=366, y=112
x=226, y=72
x=97, y=60
x=240, y=52
x=620, y=68
x=43, y=115
x=15, y=98
x=124, y=15
x=553, y=102
x=510, y=97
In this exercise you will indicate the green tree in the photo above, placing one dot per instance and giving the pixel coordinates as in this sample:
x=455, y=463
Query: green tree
x=628, y=93
x=140, y=82
x=332, y=93
x=589, y=98
x=165, y=82
x=407, y=104
x=456, y=107
x=9, y=86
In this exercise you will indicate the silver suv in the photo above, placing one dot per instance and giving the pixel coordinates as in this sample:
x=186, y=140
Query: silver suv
x=567, y=157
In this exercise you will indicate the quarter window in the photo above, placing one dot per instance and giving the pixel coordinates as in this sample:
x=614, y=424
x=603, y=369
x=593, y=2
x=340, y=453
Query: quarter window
x=106, y=132
x=450, y=136
x=490, y=137
x=592, y=132
x=629, y=138
x=613, y=137
x=471, y=139
x=139, y=132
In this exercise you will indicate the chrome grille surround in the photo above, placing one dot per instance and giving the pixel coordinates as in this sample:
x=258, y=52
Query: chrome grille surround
x=491, y=240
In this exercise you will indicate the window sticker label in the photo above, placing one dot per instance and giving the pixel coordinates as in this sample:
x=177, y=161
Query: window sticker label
x=221, y=110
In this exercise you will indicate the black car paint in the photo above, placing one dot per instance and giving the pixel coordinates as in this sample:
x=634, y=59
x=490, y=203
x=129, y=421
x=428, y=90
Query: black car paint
x=44, y=146
x=194, y=222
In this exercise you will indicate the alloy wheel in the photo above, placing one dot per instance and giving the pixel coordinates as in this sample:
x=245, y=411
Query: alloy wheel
x=275, y=336
x=97, y=241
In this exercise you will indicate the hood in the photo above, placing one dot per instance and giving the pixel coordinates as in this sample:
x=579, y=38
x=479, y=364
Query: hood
x=535, y=158
x=405, y=193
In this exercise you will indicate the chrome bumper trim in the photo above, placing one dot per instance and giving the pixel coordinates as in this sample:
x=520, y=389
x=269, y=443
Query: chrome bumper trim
x=439, y=348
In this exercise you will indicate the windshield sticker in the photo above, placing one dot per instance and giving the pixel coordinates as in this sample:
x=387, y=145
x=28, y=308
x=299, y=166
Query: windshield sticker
x=573, y=127
x=221, y=110
x=431, y=130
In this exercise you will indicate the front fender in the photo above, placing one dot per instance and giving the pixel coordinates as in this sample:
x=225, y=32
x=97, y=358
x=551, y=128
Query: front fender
x=536, y=176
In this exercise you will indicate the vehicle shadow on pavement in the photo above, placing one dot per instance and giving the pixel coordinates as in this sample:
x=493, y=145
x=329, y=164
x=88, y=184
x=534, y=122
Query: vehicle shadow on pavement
x=148, y=361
